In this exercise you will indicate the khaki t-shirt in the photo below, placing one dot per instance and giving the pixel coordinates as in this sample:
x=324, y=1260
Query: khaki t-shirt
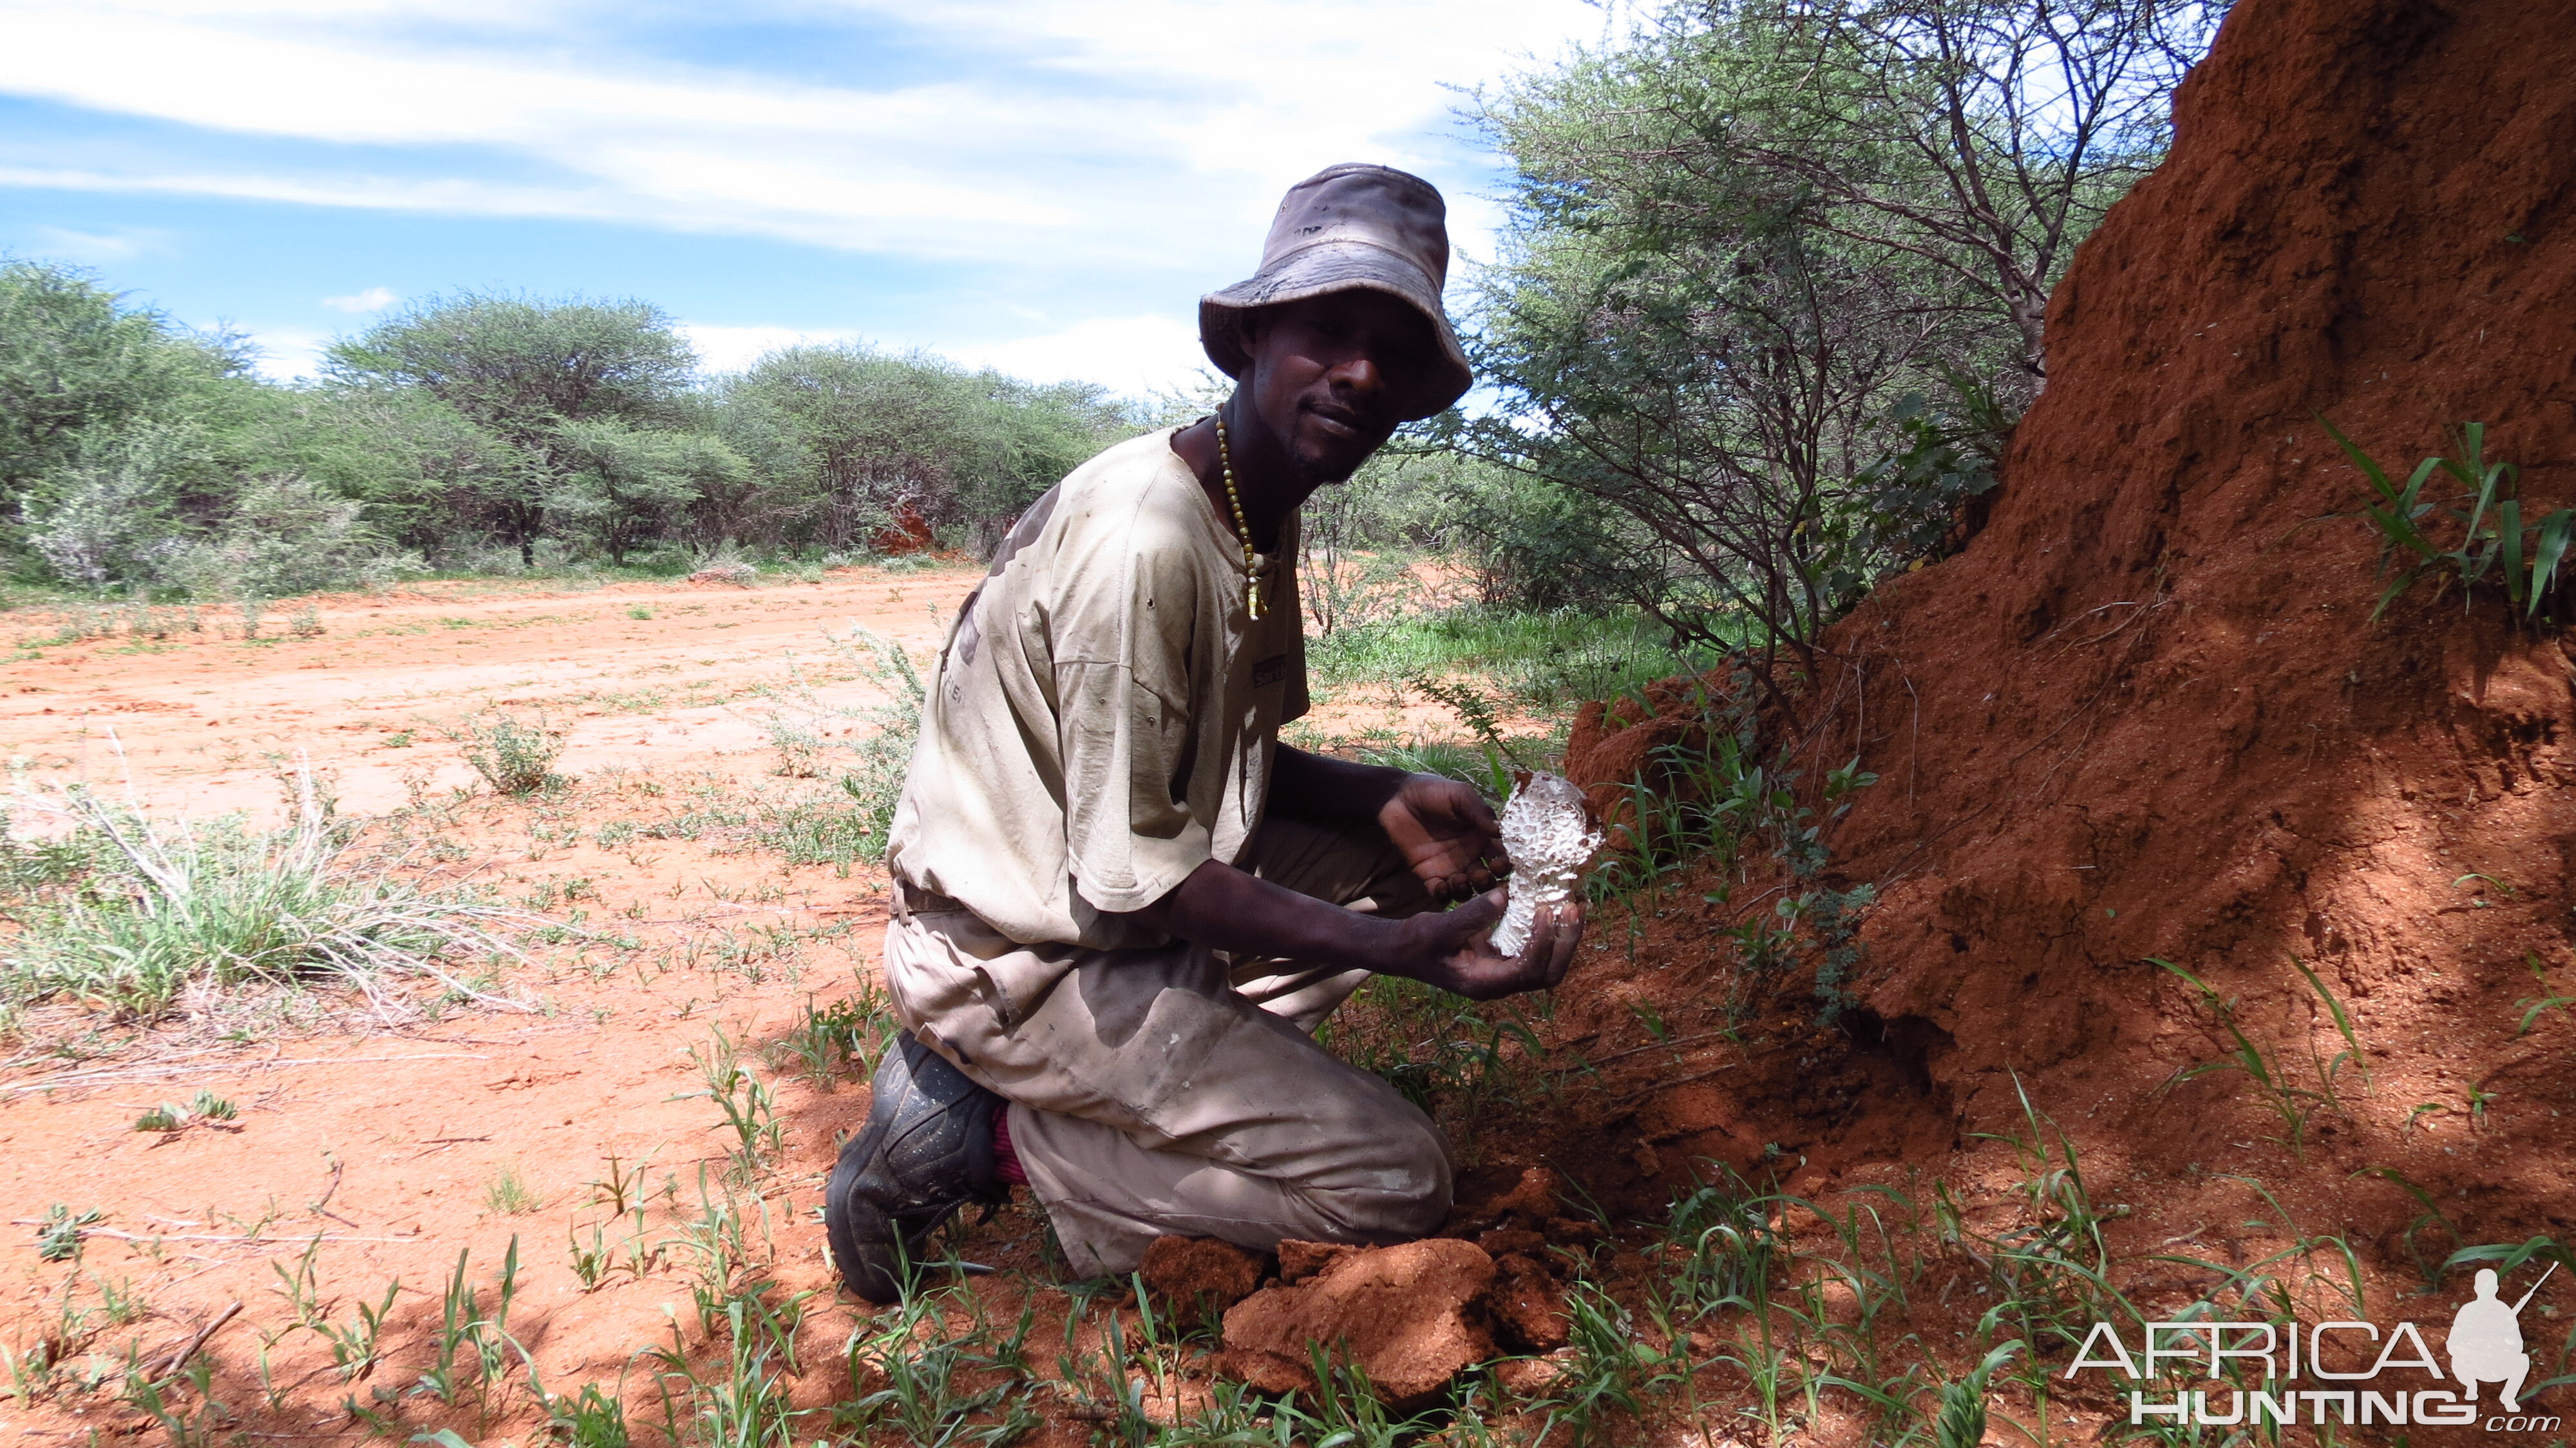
x=1102, y=718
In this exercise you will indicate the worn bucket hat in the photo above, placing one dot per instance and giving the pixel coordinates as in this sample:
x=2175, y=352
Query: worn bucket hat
x=1350, y=227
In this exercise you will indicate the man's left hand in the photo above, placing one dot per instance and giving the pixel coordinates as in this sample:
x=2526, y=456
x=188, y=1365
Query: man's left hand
x=1447, y=834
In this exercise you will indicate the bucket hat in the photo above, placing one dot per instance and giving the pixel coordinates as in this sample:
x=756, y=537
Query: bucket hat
x=1346, y=227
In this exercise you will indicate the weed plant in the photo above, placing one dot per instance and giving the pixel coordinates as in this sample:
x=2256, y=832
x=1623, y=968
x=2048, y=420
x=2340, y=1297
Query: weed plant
x=874, y=779
x=131, y=913
x=515, y=756
x=2495, y=546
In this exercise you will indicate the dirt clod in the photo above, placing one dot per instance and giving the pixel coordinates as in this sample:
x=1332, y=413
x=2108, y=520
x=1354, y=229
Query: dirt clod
x=1412, y=1317
x=1301, y=1260
x=1528, y=1304
x=1200, y=1277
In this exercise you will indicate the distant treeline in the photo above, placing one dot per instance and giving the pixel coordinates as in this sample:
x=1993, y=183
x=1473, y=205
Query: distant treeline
x=1770, y=296
x=486, y=433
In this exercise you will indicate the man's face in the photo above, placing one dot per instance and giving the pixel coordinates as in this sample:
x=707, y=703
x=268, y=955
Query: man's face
x=1330, y=376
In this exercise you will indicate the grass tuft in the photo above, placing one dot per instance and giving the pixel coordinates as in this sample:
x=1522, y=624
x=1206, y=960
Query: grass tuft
x=132, y=914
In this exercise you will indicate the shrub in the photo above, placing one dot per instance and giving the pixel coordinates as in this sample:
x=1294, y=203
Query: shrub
x=514, y=755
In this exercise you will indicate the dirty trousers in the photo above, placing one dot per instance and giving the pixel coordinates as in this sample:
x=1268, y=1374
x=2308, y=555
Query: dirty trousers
x=1176, y=1091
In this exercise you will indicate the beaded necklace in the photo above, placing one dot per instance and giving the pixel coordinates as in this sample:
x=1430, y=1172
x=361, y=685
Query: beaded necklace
x=1242, y=530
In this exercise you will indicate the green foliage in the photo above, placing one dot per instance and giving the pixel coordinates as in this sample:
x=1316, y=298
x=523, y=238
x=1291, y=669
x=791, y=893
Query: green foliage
x=509, y=1195
x=483, y=432
x=1746, y=239
x=515, y=756
x=58, y=1236
x=878, y=439
x=171, y=1116
x=1554, y=659
x=77, y=365
x=626, y=485
x=135, y=913
x=2524, y=558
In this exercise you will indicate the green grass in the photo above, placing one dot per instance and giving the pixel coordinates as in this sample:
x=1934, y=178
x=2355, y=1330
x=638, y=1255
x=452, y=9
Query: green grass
x=131, y=914
x=509, y=1195
x=1546, y=660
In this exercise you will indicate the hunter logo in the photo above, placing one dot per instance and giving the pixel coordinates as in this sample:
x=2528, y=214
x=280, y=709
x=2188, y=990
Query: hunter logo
x=2484, y=1345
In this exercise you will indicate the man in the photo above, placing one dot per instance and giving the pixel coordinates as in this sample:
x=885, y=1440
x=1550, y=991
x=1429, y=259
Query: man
x=1121, y=906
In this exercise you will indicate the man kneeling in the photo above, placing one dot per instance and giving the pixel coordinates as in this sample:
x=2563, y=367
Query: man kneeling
x=1121, y=905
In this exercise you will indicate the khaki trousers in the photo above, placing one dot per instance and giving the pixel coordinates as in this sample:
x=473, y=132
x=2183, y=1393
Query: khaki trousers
x=1174, y=1090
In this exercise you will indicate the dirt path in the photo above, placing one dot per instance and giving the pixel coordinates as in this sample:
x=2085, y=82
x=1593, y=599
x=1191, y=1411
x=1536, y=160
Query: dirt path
x=386, y=1150
x=646, y=677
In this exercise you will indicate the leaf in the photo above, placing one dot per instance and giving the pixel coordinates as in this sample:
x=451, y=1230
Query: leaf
x=2545, y=557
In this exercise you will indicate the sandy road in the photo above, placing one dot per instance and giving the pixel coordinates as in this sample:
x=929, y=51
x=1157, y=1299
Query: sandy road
x=642, y=676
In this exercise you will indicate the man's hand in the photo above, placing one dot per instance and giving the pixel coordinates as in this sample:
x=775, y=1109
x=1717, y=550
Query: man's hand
x=1454, y=949
x=1447, y=834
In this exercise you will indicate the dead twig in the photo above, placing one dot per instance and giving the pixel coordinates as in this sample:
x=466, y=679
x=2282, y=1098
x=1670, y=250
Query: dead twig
x=180, y=1358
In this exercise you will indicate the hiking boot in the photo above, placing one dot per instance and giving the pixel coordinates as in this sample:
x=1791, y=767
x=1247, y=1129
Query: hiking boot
x=926, y=1151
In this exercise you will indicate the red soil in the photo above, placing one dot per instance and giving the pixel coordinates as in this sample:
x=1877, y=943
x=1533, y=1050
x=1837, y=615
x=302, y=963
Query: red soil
x=2145, y=713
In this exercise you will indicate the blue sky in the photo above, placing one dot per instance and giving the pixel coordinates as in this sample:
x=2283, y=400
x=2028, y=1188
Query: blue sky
x=1043, y=187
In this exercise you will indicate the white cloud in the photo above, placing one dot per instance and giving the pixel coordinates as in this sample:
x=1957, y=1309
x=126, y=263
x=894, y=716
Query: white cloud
x=94, y=248
x=734, y=349
x=373, y=299
x=1133, y=356
x=1139, y=132
x=288, y=354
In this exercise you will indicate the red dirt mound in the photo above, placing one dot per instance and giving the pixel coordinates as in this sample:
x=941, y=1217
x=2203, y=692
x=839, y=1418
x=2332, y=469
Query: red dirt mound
x=2154, y=718
x=2145, y=713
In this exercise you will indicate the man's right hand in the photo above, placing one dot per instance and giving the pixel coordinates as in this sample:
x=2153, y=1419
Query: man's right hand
x=1454, y=949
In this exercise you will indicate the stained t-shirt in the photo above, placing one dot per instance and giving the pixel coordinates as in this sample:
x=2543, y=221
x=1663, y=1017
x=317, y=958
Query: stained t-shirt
x=1102, y=717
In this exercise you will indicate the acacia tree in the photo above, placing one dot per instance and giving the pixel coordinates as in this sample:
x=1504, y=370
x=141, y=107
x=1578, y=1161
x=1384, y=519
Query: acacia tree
x=523, y=367
x=1742, y=245
x=77, y=363
x=885, y=437
x=1978, y=139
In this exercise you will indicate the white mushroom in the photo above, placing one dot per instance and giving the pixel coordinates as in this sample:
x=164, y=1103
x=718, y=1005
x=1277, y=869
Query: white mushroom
x=1548, y=832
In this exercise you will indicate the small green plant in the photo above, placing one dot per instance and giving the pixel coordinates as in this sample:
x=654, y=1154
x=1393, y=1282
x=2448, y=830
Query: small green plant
x=640, y=611
x=515, y=756
x=2495, y=544
x=592, y=1261
x=59, y=1235
x=2292, y=1104
x=509, y=1195
x=621, y=1190
x=171, y=1116
x=593, y=1418
x=748, y=1106
x=1474, y=708
x=829, y=1040
x=874, y=780
x=307, y=623
x=353, y=1347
